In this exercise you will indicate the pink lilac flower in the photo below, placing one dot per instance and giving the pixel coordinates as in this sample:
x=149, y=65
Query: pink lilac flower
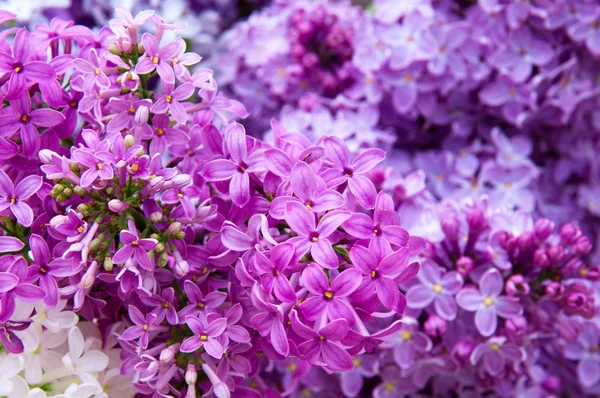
x=14, y=198
x=157, y=59
x=134, y=247
x=204, y=336
x=487, y=302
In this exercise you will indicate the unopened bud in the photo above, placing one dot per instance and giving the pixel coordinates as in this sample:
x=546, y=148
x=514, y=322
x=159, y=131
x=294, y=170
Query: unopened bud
x=83, y=208
x=156, y=217
x=582, y=246
x=191, y=376
x=160, y=247
x=80, y=191
x=141, y=115
x=543, y=228
x=114, y=50
x=569, y=232
x=435, y=326
x=108, y=264
x=174, y=228
x=74, y=167
x=46, y=155
x=68, y=192
x=451, y=227
x=179, y=235
x=464, y=265
x=110, y=191
x=116, y=206
x=89, y=277
x=129, y=141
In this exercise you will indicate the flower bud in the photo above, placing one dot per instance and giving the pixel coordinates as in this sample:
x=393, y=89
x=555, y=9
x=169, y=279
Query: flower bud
x=451, y=228
x=569, y=232
x=74, y=167
x=516, y=285
x=89, y=277
x=160, y=247
x=174, y=228
x=540, y=259
x=526, y=242
x=462, y=350
x=141, y=115
x=464, y=265
x=551, y=384
x=555, y=290
x=543, y=228
x=191, y=376
x=179, y=235
x=555, y=254
x=582, y=246
x=108, y=263
x=79, y=191
x=116, y=206
x=168, y=354
x=516, y=327
x=129, y=141
x=156, y=217
x=68, y=192
x=435, y=326
x=46, y=155
x=476, y=220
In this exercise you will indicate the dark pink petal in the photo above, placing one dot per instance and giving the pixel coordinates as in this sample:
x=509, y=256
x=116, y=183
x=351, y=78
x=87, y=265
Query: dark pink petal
x=16, y=86
x=6, y=185
x=335, y=330
x=346, y=282
x=324, y=254
x=363, y=259
x=49, y=285
x=328, y=200
x=310, y=350
x=10, y=123
x=393, y=264
x=28, y=186
x=39, y=71
x=239, y=189
x=219, y=170
x=300, y=218
x=336, y=358
x=7, y=281
x=494, y=362
x=396, y=235
x=367, y=160
x=136, y=316
x=10, y=244
x=387, y=292
x=313, y=307
x=331, y=221
x=337, y=151
x=39, y=249
x=123, y=254
x=359, y=225
x=341, y=309
x=8, y=149
x=216, y=327
x=301, y=329
x=507, y=307
x=277, y=207
x=23, y=213
x=363, y=190
x=132, y=333
x=195, y=324
x=190, y=344
x=235, y=140
x=214, y=299
x=314, y=280
x=470, y=299
x=303, y=181
x=31, y=140
x=281, y=255
x=283, y=290
x=278, y=162
x=238, y=334
x=29, y=293
x=279, y=339
x=128, y=237
x=419, y=296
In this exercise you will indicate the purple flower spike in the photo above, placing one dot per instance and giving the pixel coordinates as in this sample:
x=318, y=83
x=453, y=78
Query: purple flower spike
x=134, y=247
x=487, y=302
x=343, y=169
x=312, y=237
x=330, y=299
x=324, y=344
x=14, y=198
x=204, y=336
x=437, y=288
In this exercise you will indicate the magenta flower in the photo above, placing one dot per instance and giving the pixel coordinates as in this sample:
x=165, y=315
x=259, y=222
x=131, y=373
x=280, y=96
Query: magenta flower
x=171, y=99
x=383, y=225
x=14, y=198
x=13, y=283
x=407, y=343
x=181, y=59
x=126, y=113
x=164, y=134
x=343, y=169
x=99, y=165
x=232, y=331
x=48, y=272
x=134, y=247
x=487, y=302
x=324, y=344
x=183, y=196
x=204, y=336
x=437, y=289
x=199, y=303
x=312, y=237
x=380, y=268
x=10, y=244
x=269, y=320
x=330, y=299
x=92, y=70
x=158, y=59
x=309, y=188
x=143, y=325
x=273, y=271
x=21, y=68
x=164, y=306
x=127, y=23
x=496, y=353
x=26, y=121
x=238, y=169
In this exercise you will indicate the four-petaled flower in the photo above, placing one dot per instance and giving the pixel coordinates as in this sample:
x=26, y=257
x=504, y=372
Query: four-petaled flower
x=134, y=247
x=14, y=198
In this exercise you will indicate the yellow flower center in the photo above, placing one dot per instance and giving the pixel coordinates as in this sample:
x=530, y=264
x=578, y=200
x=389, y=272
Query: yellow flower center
x=25, y=118
x=292, y=366
x=495, y=346
x=389, y=386
x=175, y=60
x=134, y=243
x=437, y=288
x=168, y=98
x=203, y=337
x=488, y=301
x=200, y=305
x=97, y=71
x=99, y=166
x=155, y=60
x=80, y=229
x=180, y=195
x=145, y=327
x=356, y=362
x=328, y=295
x=135, y=167
x=18, y=69
x=314, y=239
x=131, y=110
x=406, y=335
x=160, y=131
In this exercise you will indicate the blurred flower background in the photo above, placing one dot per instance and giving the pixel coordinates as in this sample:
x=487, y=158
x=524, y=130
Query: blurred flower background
x=489, y=115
